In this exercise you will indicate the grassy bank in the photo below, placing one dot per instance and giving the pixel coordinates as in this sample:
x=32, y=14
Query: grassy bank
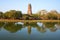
x=11, y=20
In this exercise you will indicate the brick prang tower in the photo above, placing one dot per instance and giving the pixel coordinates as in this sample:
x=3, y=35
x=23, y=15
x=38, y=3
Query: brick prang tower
x=29, y=10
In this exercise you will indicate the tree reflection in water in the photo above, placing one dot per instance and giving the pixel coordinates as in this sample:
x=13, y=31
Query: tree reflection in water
x=50, y=26
x=34, y=25
x=12, y=27
x=1, y=24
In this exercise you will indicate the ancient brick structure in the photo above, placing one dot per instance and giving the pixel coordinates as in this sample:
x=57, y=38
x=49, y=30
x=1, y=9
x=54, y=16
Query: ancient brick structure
x=29, y=9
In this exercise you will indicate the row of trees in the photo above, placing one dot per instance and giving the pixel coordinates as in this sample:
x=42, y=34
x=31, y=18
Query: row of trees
x=13, y=14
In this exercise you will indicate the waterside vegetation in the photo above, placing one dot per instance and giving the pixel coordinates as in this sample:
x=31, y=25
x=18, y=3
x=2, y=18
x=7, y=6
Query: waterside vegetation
x=13, y=14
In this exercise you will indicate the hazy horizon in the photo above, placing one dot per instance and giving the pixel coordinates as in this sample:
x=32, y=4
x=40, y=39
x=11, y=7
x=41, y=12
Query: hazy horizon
x=22, y=5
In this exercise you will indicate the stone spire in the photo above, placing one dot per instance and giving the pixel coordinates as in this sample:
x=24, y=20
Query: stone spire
x=29, y=9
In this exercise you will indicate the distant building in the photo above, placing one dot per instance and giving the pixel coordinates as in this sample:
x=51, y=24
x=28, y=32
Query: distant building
x=42, y=12
x=29, y=12
x=54, y=11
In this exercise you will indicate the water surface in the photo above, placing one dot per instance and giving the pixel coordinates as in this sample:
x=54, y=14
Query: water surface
x=29, y=31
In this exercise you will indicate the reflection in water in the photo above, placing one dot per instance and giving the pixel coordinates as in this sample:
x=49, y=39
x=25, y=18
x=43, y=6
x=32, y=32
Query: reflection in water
x=1, y=25
x=57, y=25
x=51, y=26
x=29, y=29
x=20, y=23
x=40, y=24
x=15, y=30
x=13, y=27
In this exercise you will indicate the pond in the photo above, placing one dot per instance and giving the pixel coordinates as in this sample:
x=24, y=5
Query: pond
x=29, y=30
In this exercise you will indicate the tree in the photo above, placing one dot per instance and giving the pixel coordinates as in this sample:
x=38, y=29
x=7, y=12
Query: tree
x=18, y=15
x=9, y=14
x=51, y=15
x=1, y=14
x=13, y=14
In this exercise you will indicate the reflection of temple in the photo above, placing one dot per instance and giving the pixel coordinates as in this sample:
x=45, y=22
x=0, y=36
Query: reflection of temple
x=57, y=26
x=53, y=29
x=29, y=29
x=29, y=9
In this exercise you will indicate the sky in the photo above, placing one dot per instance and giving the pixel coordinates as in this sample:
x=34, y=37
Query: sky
x=22, y=5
